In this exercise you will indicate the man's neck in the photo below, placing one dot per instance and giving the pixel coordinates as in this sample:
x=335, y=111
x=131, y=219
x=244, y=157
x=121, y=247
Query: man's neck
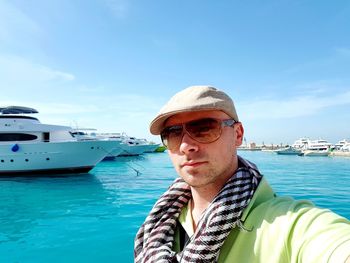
x=203, y=196
x=201, y=199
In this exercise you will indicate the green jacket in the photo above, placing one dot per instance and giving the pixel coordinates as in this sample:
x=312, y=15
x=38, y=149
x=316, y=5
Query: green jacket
x=282, y=230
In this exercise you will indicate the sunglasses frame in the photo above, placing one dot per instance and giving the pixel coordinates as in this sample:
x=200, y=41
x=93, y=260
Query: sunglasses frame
x=223, y=123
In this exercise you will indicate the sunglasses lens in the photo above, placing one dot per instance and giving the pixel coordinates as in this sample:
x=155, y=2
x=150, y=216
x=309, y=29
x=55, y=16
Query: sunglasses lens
x=172, y=136
x=204, y=130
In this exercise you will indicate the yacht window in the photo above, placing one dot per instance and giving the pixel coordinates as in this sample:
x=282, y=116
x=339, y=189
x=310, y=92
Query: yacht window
x=7, y=137
x=46, y=136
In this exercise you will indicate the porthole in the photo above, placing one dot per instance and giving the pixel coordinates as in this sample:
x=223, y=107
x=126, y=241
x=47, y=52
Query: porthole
x=47, y=159
x=2, y=161
x=26, y=160
x=92, y=148
x=11, y=160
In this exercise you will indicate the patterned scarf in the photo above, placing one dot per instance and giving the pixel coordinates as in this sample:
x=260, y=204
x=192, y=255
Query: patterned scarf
x=154, y=240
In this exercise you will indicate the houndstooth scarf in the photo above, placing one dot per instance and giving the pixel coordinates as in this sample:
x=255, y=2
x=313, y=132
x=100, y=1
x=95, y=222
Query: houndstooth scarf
x=154, y=240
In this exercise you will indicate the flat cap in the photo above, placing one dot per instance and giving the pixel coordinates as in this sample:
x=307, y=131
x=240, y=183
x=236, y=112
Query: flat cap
x=194, y=98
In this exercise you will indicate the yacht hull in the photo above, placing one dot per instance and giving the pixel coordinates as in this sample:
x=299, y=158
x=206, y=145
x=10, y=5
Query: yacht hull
x=151, y=148
x=52, y=157
x=67, y=170
x=291, y=152
x=132, y=150
x=315, y=153
x=115, y=152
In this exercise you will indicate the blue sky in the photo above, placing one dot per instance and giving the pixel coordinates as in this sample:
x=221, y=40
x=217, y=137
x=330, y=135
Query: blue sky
x=111, y=64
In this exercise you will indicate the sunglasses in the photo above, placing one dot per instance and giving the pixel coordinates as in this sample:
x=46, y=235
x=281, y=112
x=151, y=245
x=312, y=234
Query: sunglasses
x=203, y=131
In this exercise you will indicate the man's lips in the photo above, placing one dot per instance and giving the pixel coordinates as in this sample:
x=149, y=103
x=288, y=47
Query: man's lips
x=192, y=163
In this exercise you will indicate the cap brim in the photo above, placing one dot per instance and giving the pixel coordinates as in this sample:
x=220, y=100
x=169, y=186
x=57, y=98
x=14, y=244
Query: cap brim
x=157, y=124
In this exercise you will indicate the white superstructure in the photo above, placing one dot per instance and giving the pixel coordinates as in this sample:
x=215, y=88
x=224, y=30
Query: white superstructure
x=28, y=146
x=301, y=143
x=319, y=145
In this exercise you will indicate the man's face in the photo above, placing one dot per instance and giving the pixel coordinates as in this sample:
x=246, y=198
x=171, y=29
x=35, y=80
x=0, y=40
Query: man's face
x=206, y=164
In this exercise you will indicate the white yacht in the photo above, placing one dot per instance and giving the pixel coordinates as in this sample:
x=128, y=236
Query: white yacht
x=345, y=147
x=130, y=145
x=318, y=147
x=125, y=145
x=28, y=146
x=150, y=146
x=91, y=134
x=309, y=147
x=307, y=144
x=342, y=145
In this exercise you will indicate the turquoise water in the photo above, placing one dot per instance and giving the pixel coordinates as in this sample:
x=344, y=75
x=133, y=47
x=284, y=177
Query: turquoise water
x=94, y=217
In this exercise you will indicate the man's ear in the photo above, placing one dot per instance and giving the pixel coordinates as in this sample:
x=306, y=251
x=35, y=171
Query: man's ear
x=239, y=133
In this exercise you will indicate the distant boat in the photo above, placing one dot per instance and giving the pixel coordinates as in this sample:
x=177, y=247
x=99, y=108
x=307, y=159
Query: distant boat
x=343, y=145
x=28, y=146
x=160, y=149
x=124, y=144
x=150, y=146
x=288, y=151
x=342, y=148
x=316, y=152
x=130, y=146
x=87, y=134
x=309, y=147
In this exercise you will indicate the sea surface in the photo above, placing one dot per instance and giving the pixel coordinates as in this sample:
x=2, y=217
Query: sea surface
x=94, y=217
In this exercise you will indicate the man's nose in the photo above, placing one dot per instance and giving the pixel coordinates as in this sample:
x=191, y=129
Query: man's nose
x=188, y=144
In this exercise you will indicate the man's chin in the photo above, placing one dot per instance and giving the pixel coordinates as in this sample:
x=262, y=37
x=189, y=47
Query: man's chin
x=194, y=179
x=190, y=172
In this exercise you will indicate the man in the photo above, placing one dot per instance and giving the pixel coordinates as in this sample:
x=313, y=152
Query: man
x=221, y=209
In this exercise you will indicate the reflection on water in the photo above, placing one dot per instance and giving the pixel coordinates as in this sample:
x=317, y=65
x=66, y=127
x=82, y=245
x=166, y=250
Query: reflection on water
x=30, y=201
x=94, y=217
x=323, y=180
